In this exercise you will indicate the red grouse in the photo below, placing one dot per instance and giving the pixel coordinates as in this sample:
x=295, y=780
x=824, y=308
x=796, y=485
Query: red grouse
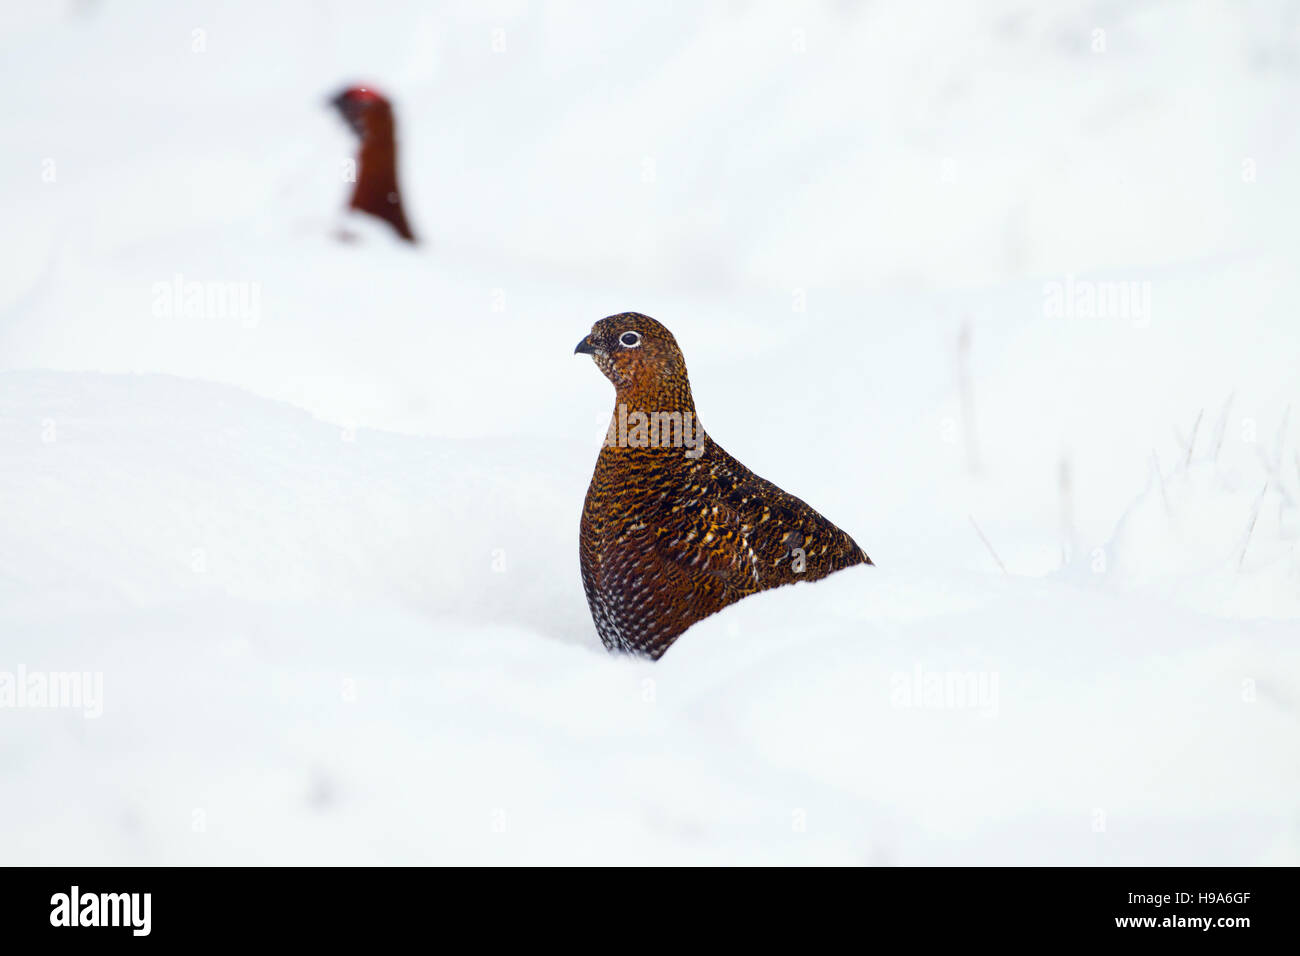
x=371, y=117
x=674, y=528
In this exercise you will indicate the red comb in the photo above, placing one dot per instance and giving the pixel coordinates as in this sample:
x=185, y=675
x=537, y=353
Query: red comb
x=363, y=94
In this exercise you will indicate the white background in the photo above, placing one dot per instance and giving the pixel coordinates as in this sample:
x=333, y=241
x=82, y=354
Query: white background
x=326, y=556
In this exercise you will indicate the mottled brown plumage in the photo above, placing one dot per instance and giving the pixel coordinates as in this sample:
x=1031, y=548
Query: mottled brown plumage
x=376, y=192
x=674, y=528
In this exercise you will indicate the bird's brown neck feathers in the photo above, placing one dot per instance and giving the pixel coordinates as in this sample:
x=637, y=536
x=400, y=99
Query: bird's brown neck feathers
x=654, y=393
x=376, y=190
x=662, y=395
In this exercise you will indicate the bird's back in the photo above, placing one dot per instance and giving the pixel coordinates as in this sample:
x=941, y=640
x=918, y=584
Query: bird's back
x=668, y=539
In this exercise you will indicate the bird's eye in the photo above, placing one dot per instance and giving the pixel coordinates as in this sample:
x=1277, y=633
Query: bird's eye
x=630, y=339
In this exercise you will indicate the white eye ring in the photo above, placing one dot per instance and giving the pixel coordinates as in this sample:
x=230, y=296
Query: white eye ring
x=636, y=339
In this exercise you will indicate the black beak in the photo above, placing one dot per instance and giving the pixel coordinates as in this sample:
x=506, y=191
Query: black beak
x=585, y=347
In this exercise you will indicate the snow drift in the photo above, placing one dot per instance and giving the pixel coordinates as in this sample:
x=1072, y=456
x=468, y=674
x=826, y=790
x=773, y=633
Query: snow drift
x=309, y=509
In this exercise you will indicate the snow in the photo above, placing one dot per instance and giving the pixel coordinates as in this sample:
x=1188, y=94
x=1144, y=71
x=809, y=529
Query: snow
x=323, y=549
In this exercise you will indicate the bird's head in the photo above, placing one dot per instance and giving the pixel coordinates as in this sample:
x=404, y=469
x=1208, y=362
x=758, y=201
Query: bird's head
x=364, y=108
x=640, y=357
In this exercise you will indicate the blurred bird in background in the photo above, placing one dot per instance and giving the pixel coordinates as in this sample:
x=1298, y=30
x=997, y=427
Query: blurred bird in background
x=376, y=192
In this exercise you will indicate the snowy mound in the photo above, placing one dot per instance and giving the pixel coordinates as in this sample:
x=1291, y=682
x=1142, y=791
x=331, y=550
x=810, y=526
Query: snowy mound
x=143, y=491
x=307, y=656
